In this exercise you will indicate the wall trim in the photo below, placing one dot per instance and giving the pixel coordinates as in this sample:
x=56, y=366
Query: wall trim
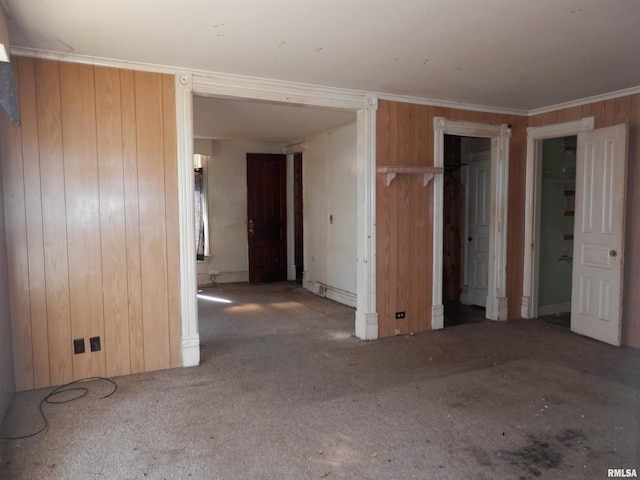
x=366, y=313
x=186, y=220
x=529, y=302
x=585, y=101
x=229, y=277
x=150, y=67
x=497, y=302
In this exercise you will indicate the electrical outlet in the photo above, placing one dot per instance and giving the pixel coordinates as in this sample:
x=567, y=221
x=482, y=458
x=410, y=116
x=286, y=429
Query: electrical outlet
x=78, y=345
x=399, y=315
x=94, y=342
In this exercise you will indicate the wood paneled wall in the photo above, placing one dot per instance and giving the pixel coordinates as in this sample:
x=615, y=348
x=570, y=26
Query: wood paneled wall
x=92, y=222
x=404, y=209
x=404, y=225
x=606, y=113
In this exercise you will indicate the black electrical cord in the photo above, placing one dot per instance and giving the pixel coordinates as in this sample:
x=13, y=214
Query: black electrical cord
x=80, y=392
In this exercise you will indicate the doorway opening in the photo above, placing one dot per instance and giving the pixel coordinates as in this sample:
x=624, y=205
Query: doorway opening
x=495, y=186
x=556, y=200
x=466, y=228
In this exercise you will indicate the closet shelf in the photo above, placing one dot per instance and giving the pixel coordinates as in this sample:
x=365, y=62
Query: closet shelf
x=392, y=170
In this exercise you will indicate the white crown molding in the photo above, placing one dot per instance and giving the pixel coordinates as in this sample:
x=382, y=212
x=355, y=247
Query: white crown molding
x=291, y=92
x=585, y=101
x=451, y=104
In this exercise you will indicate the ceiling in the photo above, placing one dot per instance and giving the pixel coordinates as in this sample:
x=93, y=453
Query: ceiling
x=515, y=55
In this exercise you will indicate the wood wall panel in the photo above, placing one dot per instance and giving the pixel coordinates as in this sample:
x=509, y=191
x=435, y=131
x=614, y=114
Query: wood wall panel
x=90, y=197
x=171, y=202
x=51, y=161
x=132, y=220
x=404, y=213
x=77, y=95
x=112, y=220
x=17, y=255
x=35, y=244
x=631, y=301
x=153, y=246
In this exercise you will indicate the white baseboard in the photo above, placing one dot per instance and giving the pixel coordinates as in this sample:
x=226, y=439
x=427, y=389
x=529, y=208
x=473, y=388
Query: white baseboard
x=332, y=293
x=554, y=308
x=229, y=277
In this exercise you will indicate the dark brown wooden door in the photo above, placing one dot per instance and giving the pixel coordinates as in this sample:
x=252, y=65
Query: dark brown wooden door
x=267, y=217
x=298, y=216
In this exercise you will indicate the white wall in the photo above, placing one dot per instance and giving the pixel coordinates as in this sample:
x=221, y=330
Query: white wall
x=555, y=275
x=329, y=172
x=227, y=202
x=7, y=381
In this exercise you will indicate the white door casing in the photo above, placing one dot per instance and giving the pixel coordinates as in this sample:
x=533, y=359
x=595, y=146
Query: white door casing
x=597, y=284
x=535, y=136
x=496, y=305
x=233, y=86
x=477, y=238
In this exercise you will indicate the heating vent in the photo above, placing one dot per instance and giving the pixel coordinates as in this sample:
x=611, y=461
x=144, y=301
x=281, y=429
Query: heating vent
x=322, y=290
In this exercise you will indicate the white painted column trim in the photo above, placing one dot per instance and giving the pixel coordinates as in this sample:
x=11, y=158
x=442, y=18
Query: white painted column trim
x=186, y=222
x=366, y=313
x=529, y=303
x=497, y=302
x=437, y=307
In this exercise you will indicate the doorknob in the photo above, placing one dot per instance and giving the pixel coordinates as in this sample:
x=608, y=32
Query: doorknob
x=250, y=227
x=470, y=239
x=612, y=253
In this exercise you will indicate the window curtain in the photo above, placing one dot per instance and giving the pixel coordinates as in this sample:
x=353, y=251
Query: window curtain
x=8, y=98
x=200, y=207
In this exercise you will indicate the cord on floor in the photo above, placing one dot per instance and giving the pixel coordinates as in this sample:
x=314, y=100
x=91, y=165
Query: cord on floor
x=50, y=398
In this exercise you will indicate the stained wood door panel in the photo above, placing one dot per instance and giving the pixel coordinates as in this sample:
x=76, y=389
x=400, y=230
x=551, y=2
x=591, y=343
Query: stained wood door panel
x=266, y=215
x=91, y=191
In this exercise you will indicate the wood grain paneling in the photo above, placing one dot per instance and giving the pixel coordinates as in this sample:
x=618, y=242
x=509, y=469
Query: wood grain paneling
x=54, y=221
x=404, y=213
x=33, y=205
x=171, y=202
x=132, y=220
x=17, y=255
x=153, y=247
x=90, y=194
x=112, y=220
x=77, y=95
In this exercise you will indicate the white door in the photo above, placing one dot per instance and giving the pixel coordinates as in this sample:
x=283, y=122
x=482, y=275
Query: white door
x=476, y=272
x=598, y=253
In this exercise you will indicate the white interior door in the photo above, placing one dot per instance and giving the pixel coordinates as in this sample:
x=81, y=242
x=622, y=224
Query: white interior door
x=596, y=302
x=476, y=272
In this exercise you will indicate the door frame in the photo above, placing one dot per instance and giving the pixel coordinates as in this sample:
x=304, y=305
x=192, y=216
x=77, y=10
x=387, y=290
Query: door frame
x=533, y=169
x=222, y=85
x=497, y=303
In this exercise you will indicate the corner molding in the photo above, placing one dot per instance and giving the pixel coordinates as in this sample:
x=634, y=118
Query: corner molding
x=186, y=222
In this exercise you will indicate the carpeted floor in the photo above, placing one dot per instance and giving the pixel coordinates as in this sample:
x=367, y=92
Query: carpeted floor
x=285, y=391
